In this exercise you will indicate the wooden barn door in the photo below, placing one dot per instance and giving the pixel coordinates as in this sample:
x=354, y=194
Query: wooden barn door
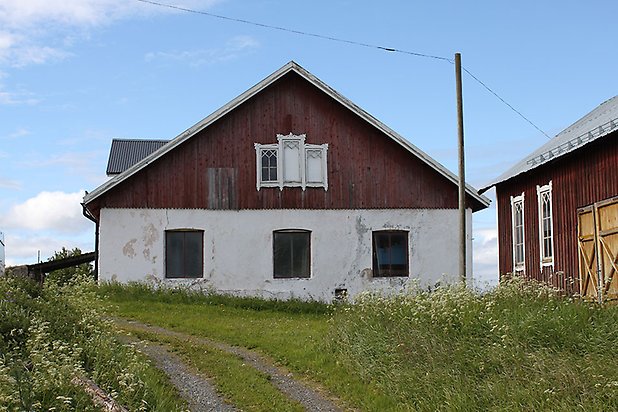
x=598, y=250
x=586, y=244
x=607, y=224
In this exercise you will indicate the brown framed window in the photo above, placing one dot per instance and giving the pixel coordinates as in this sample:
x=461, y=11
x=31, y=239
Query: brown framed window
x=184, y=253
x=292, y=254
x=390, y=253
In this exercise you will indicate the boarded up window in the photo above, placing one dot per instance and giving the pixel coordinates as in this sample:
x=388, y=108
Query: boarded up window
x=315, y=166
x=184, y=254
x=292, y=253
x=291, y=161
x=390, y=253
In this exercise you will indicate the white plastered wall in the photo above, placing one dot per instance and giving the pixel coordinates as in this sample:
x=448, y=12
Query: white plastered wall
x=238, y=248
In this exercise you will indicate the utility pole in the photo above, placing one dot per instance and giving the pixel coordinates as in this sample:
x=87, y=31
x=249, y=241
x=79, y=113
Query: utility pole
x=462, y=172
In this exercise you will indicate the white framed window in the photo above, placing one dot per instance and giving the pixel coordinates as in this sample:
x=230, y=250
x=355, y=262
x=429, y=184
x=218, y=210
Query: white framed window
x=519, y=244
x=546, y=228
x=291, y=163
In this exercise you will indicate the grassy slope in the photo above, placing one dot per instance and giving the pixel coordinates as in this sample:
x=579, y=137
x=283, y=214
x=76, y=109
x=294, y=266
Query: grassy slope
x=295, y=340
x=517, y=348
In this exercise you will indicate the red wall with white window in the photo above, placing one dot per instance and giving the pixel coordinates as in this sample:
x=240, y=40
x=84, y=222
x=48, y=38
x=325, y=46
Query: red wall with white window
x=581, y=178
x=216, y=168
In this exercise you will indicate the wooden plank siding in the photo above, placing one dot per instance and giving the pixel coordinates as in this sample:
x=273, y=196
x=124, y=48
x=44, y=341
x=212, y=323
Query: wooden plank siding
x=579, y=179
x=366, y=168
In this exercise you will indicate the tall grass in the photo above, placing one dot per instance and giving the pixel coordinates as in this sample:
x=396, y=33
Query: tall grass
x=184, y=295
x=52, y=334
x=521, y=346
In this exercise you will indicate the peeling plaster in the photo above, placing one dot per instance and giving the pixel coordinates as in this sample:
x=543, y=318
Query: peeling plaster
x=128, y=249
x=238, y=248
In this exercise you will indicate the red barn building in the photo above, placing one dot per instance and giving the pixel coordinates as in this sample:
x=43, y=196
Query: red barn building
x=288, y=190
x=558, y=208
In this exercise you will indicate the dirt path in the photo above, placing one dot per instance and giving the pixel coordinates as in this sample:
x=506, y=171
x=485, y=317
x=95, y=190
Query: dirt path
x=310, y=398
x=199, y=393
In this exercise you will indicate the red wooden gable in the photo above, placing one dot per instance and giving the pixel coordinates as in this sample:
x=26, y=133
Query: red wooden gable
x=216, y=167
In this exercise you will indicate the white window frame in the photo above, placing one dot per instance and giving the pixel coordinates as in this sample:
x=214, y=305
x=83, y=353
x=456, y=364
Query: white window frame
x=518, y=266
x=540, y=192
x=304, y=148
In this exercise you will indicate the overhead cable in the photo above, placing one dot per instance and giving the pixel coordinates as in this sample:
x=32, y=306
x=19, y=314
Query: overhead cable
x=340, y=40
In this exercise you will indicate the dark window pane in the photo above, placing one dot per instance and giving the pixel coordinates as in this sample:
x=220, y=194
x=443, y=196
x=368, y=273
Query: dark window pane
x=390, y=253
x=184, y=254
x=193, y=254
x=300, y=255
x=174, y=253
x=291, y=254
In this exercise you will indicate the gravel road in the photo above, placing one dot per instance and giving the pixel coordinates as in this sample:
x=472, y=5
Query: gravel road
x=309, y=397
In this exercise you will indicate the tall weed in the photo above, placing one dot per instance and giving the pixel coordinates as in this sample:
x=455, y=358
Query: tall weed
x=520, y=346
x=51, y=334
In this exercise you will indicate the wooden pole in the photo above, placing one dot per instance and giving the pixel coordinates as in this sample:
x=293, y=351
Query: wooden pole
x=462, y=172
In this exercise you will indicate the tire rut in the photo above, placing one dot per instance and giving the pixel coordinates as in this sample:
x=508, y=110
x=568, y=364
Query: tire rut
x=197, y=391
x=310, y=398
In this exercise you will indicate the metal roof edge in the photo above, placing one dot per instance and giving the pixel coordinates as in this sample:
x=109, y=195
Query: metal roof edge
x=223, y=110
x=508, y=175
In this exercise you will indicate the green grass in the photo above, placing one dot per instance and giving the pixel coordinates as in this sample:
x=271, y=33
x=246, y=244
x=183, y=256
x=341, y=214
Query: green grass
x=240, y=384
x=294, y=338
x=51, y=334
x=519, y=347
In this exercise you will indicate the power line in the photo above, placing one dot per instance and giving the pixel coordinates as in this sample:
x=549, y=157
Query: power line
x=340, y=40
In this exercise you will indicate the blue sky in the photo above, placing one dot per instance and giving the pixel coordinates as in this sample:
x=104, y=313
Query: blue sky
x=76, y=73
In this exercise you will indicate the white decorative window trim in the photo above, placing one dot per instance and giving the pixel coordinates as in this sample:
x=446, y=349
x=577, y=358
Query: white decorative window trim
x=544, y=193
x=518, y=202
x=302, y=172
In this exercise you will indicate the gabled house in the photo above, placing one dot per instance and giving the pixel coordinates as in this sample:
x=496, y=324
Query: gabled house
x=558, y=208
x=289, y=190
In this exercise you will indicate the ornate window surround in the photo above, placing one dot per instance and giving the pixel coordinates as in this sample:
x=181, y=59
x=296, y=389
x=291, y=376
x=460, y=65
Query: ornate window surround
x=517, y=204
x=545, y=192
x=285, y=177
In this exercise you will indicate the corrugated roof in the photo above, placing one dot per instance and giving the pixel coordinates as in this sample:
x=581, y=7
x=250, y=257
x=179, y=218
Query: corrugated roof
x=598, y=123
x=124, y=153
x=295, y=67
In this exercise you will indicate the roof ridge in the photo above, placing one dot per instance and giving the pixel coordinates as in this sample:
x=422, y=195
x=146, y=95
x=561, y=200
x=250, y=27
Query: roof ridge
x=138, y=139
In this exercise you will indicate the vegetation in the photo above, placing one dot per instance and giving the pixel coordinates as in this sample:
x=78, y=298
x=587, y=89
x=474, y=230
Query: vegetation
x=62, y=276
x=240, y=384
x=521, y=346
x=52, y=334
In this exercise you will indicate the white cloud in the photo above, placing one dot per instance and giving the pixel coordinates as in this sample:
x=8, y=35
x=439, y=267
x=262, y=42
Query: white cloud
x=8, y=183
x=38, y=31
x=234, y=48
x=55, y=211
x=19, y=132
x=16, y=97
x=485, y=257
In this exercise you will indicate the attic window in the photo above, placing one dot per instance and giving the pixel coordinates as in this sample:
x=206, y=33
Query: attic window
x=291, y=163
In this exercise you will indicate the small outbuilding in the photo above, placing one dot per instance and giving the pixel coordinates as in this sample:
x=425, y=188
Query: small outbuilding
x=558, y=208
x=289, y=190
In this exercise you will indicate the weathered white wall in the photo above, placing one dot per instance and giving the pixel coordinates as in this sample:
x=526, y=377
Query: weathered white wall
x=238, y=248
